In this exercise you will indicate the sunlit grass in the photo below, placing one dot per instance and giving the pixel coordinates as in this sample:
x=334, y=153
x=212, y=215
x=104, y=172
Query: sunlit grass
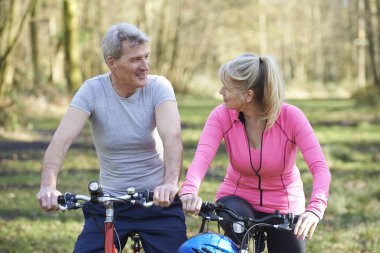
x=349, y=135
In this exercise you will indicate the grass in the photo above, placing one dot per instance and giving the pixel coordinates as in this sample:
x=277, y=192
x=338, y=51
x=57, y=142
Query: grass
x=349, y=134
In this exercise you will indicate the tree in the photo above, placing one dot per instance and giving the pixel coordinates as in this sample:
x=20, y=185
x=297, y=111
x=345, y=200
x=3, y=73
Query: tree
x=33, y=27
x=71, y=46
x=10, y=31
x=181, y=39
x=369, y=17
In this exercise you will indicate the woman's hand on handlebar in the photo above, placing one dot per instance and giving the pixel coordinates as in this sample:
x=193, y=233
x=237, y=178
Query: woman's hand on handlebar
x=306, y=225
x=191, y=203
x=47, y=197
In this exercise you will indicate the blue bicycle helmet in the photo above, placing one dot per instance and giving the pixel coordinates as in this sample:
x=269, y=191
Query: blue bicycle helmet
x=208, y=243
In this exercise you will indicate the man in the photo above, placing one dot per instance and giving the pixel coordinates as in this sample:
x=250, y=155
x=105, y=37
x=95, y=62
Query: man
x=124, y=108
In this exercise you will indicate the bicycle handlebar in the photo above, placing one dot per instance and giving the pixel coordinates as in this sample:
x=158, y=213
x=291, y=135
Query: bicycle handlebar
x=210, y=212
x=69, y=201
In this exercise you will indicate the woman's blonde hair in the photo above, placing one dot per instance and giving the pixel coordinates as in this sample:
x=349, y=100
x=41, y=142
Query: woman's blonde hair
x=263, y=77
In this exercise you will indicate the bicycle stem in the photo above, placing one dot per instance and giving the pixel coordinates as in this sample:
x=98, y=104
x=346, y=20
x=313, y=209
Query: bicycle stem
x=109, y=211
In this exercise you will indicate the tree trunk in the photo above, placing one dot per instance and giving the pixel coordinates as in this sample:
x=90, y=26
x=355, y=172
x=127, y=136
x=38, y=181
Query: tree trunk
x=262, y=28
x=8, y=37
x=361, y=45
x=371, y=42
x=141, y=21
x=33, y=26
x=378, y=36
x=159, y=61
x=72, y=70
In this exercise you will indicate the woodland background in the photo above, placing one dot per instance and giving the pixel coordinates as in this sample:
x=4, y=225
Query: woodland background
x=325, y=47
x=329, y=53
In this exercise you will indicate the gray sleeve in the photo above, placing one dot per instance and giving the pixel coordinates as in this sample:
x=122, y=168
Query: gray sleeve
x=84, y=99
x=162, y=91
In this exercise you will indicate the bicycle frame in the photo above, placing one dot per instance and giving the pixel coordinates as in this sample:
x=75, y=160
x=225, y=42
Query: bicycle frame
x=68, y=201
x=109, y=226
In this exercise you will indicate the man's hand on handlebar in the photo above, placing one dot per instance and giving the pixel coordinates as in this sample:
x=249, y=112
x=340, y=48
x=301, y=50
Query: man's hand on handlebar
x=164, y=194
x=47, y=198
x=191, y=203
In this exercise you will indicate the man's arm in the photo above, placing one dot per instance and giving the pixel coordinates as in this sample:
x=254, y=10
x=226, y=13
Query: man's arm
x=169, y=128
x=71, y=125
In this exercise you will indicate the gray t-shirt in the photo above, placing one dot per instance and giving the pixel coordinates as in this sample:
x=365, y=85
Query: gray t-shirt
x=123, y=132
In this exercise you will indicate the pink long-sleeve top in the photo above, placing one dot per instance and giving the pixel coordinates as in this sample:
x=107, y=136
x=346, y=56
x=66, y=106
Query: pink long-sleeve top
x=276, y=184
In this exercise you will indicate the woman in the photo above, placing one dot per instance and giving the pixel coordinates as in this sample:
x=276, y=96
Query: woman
x=262, y=135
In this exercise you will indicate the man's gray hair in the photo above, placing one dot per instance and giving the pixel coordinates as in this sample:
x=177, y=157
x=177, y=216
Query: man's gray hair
x=116, y=34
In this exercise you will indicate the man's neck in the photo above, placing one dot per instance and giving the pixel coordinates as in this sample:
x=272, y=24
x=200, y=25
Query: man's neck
x=123, y=90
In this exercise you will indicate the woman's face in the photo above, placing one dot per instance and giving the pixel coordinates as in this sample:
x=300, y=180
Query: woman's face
x=232, y=94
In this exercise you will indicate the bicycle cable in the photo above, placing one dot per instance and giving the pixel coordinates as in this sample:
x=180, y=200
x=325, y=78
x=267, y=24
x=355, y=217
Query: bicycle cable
x=252, y=227
x=118, y=240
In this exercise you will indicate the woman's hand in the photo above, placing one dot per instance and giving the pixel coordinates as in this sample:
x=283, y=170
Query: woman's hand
x=191, y=203
x=305, y=227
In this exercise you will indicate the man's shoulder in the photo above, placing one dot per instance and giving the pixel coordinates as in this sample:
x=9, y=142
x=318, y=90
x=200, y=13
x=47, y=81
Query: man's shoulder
x=95, y=84
x=157, y=80
x=158, y=85
x=96, y=80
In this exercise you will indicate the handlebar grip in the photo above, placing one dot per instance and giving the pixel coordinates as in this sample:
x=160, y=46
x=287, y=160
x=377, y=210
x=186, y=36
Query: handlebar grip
x=295, y=220
x=292, y=218
x=61, y=200
x=148, y=195
x=206, y=207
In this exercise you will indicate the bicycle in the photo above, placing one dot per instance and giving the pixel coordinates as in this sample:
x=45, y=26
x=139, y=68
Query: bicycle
x=70, y=201
x=251, y=227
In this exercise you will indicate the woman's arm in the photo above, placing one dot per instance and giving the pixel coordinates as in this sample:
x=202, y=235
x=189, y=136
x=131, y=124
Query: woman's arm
x=308, y=143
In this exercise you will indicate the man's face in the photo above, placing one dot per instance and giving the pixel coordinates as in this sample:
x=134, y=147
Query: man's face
x=132, y=67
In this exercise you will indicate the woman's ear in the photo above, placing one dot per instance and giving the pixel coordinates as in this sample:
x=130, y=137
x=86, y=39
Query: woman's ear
x=248, y=96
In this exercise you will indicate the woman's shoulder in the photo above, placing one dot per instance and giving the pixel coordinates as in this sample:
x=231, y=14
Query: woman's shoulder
x=224, y=114
x=290, y=110
x=291, y=115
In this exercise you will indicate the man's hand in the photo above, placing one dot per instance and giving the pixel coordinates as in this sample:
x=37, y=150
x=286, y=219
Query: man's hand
x=164, y=194
x=191, y=203
x=47, y=198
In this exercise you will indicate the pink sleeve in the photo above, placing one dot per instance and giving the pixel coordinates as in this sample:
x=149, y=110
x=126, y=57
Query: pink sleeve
x=308, y=143
x=208, y=145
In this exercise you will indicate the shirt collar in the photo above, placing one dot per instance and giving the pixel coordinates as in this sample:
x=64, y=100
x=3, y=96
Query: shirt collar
x=234, y=114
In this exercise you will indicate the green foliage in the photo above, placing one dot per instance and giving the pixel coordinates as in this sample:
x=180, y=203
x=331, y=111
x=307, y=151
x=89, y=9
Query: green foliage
x=10, y=108
x=369, y=96
x=349, y=135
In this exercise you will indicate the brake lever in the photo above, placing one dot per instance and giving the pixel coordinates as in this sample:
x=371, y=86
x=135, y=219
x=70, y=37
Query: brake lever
x=69, y=206
x=283, y=227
